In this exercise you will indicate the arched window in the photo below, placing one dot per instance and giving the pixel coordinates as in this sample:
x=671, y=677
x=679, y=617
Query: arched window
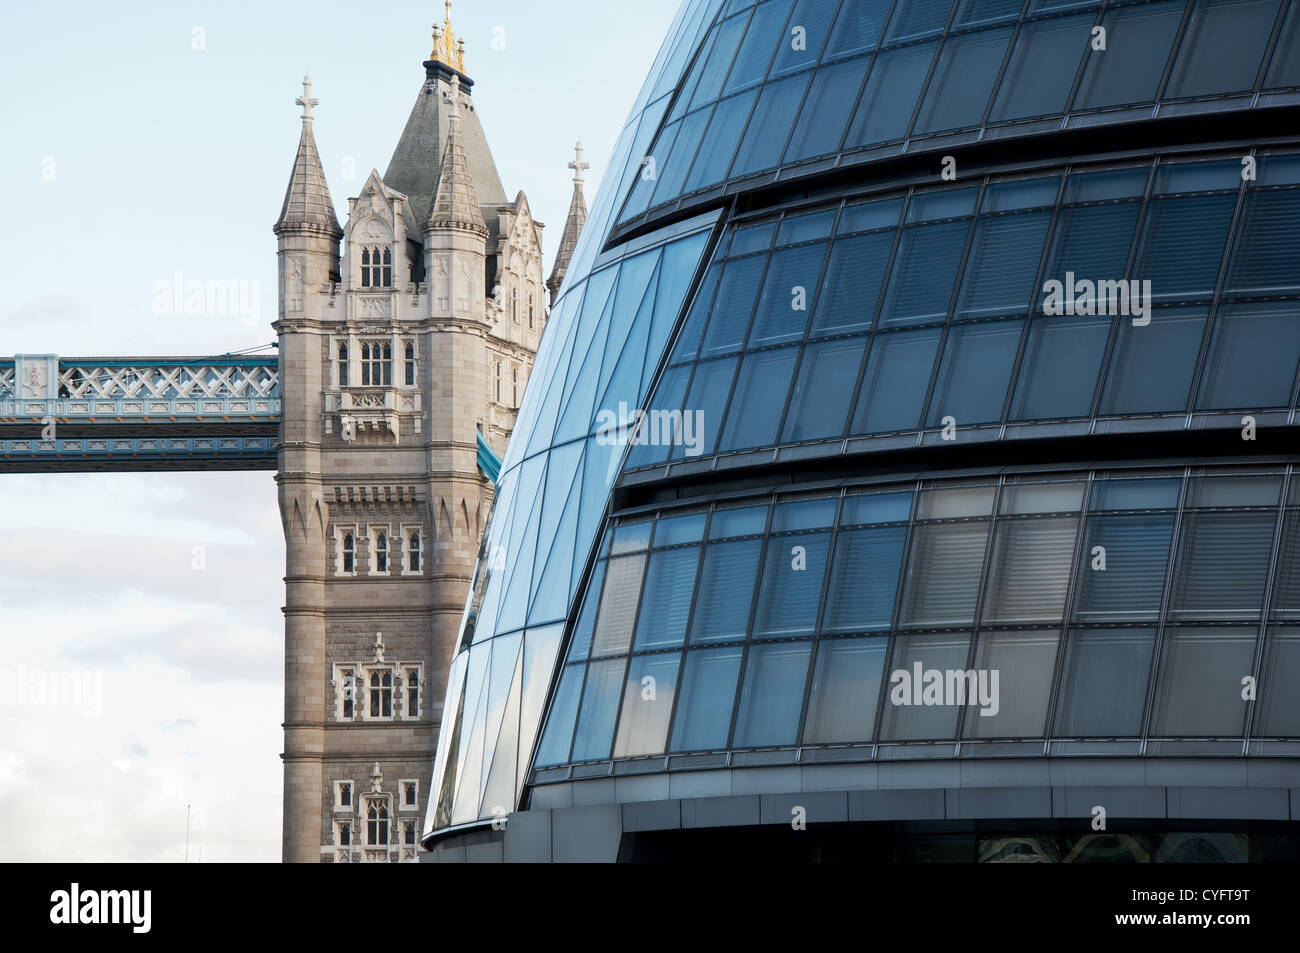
x=365, y=267
x=381, y=553
x=376, y=267
x=413, y=553
x=377, y=822
x=349, y=553
x=343, y=365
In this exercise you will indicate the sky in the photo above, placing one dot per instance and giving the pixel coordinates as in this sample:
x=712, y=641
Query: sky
x=141, y=637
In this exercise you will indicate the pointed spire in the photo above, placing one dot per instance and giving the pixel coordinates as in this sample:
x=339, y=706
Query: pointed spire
x=455, y=203
x=572, y=225
x=307, y=203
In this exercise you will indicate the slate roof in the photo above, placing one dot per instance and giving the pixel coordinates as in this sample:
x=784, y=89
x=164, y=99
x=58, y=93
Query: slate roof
x=307, y=200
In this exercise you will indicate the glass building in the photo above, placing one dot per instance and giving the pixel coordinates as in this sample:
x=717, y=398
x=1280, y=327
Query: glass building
x=910, y=468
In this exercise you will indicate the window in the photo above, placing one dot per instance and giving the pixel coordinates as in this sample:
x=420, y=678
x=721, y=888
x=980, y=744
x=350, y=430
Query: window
x=847, y=301
x=348, y=694
x=1253, y=357
x=413, y=552
x=1025, y=660
x=408, y=833
x=344, y=832
x=1058, y=373
x=791, y=589
x=349, y=553
x=669, y=581
x=514, y=305
x=648, y=694
x=1138, y=40
x=897, y=377
x=759, y=398
x=1151, y=368
x=376, y=364
x=726, y=586
x=1002, y=265
x=827, y=375
x=925, y=269
x=1200, y=691
x=376, y=267
x=599, y=705
x=342, y=794
x=772, y=696
x=845, y=690
x=963, y=80
x=381, y=552
x=826, y=110
x=1042, y=67
x=1222, y=566
x=703, y=715
x=381, y=693
x=864, y=578
x=1136, y=550
x=514, y=385
x=1030, y=573
x=911, y=722
x=889, y=97
x=944, y=573
x=1104, y=683
x=377, y=822
x=975, y=373
x=410, y=365
x=764, y=140
x=412, y=693
x=498, y=382
x=410, y=795
x=1222, y=47
x=343, y=365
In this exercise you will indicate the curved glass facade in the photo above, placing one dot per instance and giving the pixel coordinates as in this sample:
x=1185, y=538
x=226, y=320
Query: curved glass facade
x=832, y=454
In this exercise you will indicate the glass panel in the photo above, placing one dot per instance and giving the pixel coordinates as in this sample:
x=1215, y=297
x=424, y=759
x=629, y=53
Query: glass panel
x=1182, y=246
x=726, y=586
x=670, y=580
x=1236, y=490
x=708, y=396
x=857, y=28
x=1279, y=703
x=1059, y=369
x=670, y=531
x=1018, y=194
x=1104, y=683
x=917, y=18
x=924, y=271
x=672, y=171
x=598, y=709
x=647, y=705
x=559, y=726
x=944, y=570
x=1264, y=262
x=876, y=508
x=631, y=537
x=761, y=40
x=792, y=585
x=755, y=238
x=618, y=605
x=1002, y=264
x=738, y=521
x=1222, y=47
x=1015, y=705
x=1222, y=566
x=980, y=12
x=845, y=690
x=847, y=301
x=772, y=697
x=806, y=227
x=976, y=371
x=956, y=502
x=735, y=302
x=882, y=213
x=1149, y=494
x=1030, y=573
x=719, y=142
x=1197, y=176
x=815, y=513
x=1092, y=243
x=1041, y=72
x=767, y=133
x=889, y=98
x=703, y=717
x=933, y=205
x=963, y=80
x=1124, y=580
x=1138, y=40
x=758, y=400
x=1254, y=352
x=826, y=110
x=1284, y=70
x=820, y=401
x=1151, y=369
x=895, y=383
x=1107, y=184
x=908, y=715
x=805, y=34
x=787, y=297
x=720, y=59
x=1199, y=692
x=1286, y=595
x=864, y=578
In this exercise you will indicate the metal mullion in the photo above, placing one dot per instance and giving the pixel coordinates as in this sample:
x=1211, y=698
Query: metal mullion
x=870, y=56
x=1103, y=374
x=631, y=649
x=749, y=625
x=1082, y=68
x=1071, y=605
x=807, y=330
x=1175, y=48
x=1212, y=312
x=996, y=519
x=1262, y=637
x=1016, y=27
x=1162, y=619
x=741, y=353
x=940, y=43
x=1018, y=360
x=891, y=638
x=812, y=75
x=817, y=636
x=1270, y=49
x=690, y=619
x=872, y=330
x=952, y=303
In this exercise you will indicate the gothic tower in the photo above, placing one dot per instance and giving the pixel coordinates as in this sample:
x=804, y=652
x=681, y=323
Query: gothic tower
x=402, y=360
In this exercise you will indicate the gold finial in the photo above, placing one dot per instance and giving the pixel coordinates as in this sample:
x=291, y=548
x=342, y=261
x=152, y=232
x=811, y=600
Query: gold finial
x=447, y=48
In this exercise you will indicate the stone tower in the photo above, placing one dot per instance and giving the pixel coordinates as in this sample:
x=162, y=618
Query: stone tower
x=400, y=358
